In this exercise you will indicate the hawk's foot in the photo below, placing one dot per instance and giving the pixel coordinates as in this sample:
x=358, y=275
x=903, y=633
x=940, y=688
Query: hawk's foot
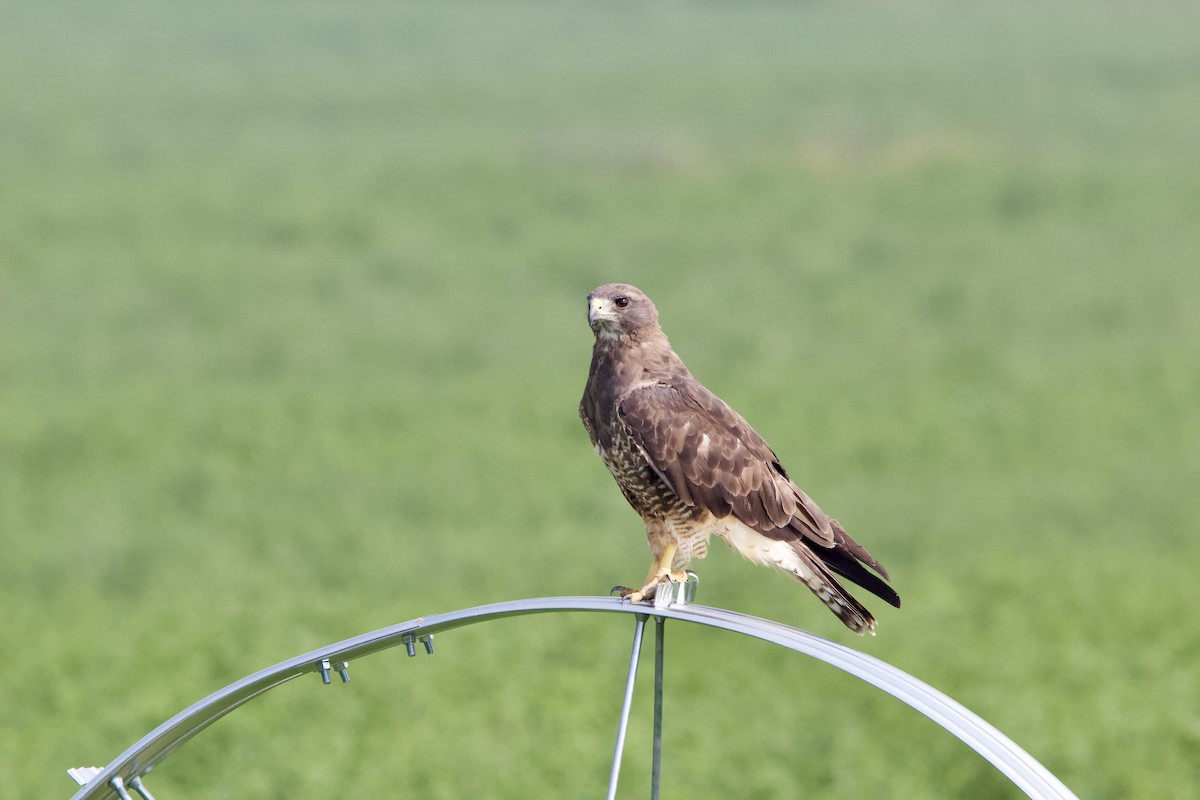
x=646, y=593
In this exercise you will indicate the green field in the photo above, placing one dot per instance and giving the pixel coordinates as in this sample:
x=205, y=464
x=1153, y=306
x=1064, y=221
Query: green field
x=292, y=333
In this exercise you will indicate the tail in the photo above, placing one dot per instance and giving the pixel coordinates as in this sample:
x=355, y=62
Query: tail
x=847, y=558
x=806, y=568
x=814, y=568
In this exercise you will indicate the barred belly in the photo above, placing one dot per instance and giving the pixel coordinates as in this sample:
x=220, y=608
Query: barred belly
x=667, y=517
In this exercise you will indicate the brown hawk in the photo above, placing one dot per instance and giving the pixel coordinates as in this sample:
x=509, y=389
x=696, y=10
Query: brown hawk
x=691, y=466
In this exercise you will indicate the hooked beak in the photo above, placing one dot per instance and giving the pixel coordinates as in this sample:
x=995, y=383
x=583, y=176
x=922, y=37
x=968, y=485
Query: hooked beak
x=597, y=311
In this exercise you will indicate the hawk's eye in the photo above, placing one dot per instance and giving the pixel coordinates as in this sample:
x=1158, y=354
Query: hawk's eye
x=620, y=302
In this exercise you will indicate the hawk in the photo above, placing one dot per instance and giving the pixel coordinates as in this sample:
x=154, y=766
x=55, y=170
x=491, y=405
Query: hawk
x=691, y=466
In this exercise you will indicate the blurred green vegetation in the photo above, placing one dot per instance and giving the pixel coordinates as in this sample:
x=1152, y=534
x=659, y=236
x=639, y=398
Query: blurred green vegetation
x=292, y=335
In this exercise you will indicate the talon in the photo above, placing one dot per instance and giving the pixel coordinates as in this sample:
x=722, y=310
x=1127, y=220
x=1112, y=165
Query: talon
x=646, y=593
x=627, y=594
x=633, y=595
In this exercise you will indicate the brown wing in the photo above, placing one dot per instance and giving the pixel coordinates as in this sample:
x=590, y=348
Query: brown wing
x=711, y=457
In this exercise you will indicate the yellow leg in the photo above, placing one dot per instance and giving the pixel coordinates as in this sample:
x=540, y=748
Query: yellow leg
x=660, y=567
x=660, y=572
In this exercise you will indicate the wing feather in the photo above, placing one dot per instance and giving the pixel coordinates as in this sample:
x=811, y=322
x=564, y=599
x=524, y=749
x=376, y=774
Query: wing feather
x=711, y=457
x=705, y=450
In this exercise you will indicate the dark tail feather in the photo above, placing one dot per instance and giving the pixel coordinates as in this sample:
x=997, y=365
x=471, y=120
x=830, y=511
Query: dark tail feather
x=853, y=571
x=829, y=591
x=847, y=558
x=843, y=541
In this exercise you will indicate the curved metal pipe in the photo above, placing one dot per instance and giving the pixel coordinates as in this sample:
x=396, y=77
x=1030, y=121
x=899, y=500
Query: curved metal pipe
x=1018, y=766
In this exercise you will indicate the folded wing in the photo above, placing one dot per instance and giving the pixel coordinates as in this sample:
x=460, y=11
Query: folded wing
x=711, y=458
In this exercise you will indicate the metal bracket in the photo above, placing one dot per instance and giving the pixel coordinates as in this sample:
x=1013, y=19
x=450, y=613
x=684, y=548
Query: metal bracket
x=674, y=595
x=83, y=775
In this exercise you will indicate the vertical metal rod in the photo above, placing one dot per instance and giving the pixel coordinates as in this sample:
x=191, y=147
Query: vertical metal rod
x=136, y=783
x=660, y=624
x=118, y=786
x=625, y=705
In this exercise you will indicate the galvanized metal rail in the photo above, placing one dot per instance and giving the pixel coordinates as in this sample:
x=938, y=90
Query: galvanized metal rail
x=127, y=769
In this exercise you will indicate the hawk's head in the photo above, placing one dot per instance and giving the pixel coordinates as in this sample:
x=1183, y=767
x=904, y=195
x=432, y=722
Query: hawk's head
x=615, y=309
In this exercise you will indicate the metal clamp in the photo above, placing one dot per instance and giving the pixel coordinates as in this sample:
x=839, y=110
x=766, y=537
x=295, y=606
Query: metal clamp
x=673, y=595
